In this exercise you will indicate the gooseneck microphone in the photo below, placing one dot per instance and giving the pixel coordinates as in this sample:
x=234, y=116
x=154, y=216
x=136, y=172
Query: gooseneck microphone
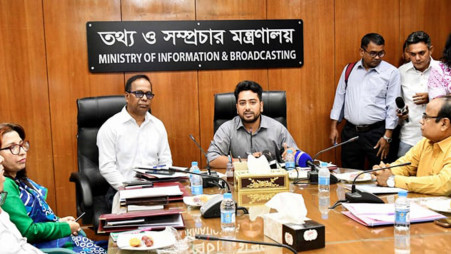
x=313, y=174
x=202, y=151
x=213, y=238
x=402, y=108
x=207, y=181
x=171, y=170
x=358, y=196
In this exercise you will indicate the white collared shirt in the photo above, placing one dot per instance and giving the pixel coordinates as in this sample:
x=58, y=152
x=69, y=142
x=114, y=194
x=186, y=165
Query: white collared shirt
x=11, y=241
x=412, y=82
x=123, y=145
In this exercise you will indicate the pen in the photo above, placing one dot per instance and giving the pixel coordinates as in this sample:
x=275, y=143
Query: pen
x=160, y=166
x=79, y=217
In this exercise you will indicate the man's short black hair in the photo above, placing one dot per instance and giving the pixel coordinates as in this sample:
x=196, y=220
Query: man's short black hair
x=128, y=85
x=248, y=85
x=445, y=110
x=372, y=37
x=417, y=37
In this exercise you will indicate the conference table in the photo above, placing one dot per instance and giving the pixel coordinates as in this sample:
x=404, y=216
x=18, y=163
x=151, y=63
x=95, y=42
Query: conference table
x=343, y=235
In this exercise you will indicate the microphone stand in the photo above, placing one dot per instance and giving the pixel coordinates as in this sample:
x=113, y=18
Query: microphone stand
x=171, y=169
x=357, y=196
x=212, y=238
x=313, y=174
x=206, y=181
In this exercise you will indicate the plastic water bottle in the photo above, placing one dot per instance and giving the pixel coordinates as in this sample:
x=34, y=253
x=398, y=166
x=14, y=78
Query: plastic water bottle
x=402, y=223
x=289, y=160
x=230, y=170
x=228, y=213
x=196, y=183
x=324, y=203
x=323, y=178
x=193, y=167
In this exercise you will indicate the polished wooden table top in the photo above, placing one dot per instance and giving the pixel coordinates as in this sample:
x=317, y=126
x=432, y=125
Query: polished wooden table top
x=343, y=235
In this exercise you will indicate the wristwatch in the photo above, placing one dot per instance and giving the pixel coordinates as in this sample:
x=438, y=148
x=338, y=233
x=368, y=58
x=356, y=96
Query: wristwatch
x=387, y=139
x=391, y=181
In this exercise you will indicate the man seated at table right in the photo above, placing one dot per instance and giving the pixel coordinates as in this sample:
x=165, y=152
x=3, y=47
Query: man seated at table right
x=430, y=168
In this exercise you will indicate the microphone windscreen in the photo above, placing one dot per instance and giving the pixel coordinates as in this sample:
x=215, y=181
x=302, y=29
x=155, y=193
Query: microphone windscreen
x=301, y=158
x=400, y=102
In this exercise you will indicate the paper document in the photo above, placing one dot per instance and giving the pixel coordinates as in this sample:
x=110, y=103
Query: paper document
x=384, y=214
x=150, y=192
x=373, y=188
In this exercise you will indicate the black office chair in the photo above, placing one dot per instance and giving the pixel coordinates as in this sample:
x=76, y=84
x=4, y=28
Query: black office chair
x=274, y=106
x=90, y=185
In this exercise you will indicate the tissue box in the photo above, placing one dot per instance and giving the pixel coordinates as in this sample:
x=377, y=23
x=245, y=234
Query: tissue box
x=255, y=198
x=276, y=180
x=307, y=236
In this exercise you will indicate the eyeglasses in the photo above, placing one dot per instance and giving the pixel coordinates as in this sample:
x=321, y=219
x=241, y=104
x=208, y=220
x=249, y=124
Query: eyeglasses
x=15, y=148
x=3, y=195
x=373, y=54
x=426, y=116
x=140, y=94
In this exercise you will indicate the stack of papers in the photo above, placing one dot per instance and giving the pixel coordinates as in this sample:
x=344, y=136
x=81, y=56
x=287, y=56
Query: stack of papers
x=372, y=215
x=149, y=196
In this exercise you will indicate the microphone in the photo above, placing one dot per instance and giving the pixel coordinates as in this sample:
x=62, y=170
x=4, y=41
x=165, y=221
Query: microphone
x=171, y=170
x=402, y=108
x=273, y=163
x=302, y=158
x=213, y=238
x=357, y=196
x=313, y=174
x=207, y=182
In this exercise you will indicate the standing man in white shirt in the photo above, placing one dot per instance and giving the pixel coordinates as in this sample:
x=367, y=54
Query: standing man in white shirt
x=414, y=85
x=132, y=138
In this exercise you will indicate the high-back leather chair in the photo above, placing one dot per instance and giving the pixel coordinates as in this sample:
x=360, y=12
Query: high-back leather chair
x=91, y=187
x=274, y=106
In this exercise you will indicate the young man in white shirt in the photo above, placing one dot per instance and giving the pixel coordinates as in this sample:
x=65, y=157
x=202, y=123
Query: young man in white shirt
x=414, y=86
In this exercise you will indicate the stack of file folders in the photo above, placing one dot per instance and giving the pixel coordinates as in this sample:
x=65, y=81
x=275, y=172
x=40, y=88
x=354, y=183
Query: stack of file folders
x=146, y=220
x=372, y=215
x=159, y=193
x=154, y=176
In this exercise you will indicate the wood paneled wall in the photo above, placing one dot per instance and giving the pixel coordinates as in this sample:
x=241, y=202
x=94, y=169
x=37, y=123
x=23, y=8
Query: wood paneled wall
x=44, y=69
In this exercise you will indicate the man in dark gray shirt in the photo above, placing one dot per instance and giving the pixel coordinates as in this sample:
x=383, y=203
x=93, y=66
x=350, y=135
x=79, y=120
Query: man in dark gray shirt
x=250, y=132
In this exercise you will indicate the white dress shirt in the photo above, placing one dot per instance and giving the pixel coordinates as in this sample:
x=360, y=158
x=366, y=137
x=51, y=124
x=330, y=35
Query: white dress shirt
x=412, y=82
x=370, y=95
x=123, y=145
x=11, y=241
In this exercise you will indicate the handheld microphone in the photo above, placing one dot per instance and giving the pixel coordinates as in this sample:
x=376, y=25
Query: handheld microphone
x=357, y=196
x=313, y=174
x=402, y=108
x=171, y=170
x=213, y=238
x=207, y=182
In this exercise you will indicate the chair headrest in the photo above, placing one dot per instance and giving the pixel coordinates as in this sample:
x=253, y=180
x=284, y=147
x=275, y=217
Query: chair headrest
x=94, y=111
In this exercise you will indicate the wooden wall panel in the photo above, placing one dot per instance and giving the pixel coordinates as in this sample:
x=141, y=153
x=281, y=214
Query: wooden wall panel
x=310, y=87
x=69, y=79
x=221, y=81
x=176, y=100
x=353, y=21
x=23, y=81
x=431, y=16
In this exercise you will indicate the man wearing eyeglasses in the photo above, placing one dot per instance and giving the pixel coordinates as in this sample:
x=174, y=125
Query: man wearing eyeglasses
x=367, y=102
x=430, y=168
x=11, y=241
x=414, y=86
x=133, y=137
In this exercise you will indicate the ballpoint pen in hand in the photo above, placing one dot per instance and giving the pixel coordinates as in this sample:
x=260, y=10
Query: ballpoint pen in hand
x=79, y=217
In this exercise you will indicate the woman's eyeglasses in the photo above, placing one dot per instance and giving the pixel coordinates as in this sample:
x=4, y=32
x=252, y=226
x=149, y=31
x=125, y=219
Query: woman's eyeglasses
x=3, y=195
x=15, y=148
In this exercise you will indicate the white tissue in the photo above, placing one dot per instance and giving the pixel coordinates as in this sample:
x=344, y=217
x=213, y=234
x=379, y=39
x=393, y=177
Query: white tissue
x=258, y=165
x=290, y=206
x=258, y=211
